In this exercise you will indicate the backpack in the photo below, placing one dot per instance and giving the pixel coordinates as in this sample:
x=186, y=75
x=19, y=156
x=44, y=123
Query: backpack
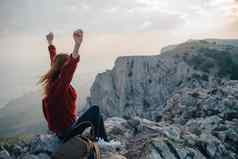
x=79, y=147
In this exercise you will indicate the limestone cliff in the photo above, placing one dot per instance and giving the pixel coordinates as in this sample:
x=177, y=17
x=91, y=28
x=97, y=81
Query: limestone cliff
x=142, y=85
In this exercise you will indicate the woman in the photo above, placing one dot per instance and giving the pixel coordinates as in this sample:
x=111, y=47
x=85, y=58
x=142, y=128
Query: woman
x=58, y=104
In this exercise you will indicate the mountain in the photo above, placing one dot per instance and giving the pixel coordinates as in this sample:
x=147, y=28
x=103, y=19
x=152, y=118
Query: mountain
x=191, y=86
x=22, y=115
x=180, y=104
x=142, y=85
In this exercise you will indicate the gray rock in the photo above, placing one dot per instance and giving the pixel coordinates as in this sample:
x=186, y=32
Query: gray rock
x=4, y=154
x=160, y=148
x=43, y=156
x=143, y=85
x=191, y=89
x=17, y=150
x=112, y=156
x=45, y=143
x=144, y=139
x=29, y=156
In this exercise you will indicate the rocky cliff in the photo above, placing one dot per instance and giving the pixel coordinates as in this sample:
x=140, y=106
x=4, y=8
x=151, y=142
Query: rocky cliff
x=181, y=104
x=192, y=85
x=142, y=85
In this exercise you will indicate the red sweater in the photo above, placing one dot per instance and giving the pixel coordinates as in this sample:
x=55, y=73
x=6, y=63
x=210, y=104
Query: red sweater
x=59, y=107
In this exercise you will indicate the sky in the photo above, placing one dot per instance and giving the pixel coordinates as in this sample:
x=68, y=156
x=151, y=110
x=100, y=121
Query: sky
x=117, y=16
x=130, y=25
x=112, y=28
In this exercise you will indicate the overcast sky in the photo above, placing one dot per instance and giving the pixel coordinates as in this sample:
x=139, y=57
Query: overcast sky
x=112, y=27
x=31, y=16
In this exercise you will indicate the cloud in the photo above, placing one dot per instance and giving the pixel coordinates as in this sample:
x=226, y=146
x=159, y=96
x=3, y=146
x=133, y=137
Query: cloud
x=110, y=15
x=233, y=26
x=93, y=15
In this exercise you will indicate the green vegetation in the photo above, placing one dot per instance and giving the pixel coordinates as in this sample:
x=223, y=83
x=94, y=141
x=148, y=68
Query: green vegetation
x=221, y=63
x=15, y=139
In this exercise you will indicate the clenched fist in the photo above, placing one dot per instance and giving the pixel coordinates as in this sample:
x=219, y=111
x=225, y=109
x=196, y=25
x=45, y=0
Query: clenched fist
x=78, y=36
x=50, y=37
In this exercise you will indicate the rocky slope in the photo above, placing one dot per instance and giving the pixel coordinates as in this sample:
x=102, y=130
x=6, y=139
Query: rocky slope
x=142, y=85
x=139, y=138
x=192, y=85
x=181, y=104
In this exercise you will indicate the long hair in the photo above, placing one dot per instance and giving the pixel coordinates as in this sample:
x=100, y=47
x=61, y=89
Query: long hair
x=53, y=73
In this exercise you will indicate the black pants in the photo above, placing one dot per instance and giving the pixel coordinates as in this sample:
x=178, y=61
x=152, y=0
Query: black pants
x=92, y=115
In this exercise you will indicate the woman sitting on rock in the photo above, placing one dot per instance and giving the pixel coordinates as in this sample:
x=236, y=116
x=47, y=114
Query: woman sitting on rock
x=59, y=102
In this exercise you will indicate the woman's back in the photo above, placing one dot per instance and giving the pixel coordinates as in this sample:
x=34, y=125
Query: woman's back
x=59, y=104
x=60, y=111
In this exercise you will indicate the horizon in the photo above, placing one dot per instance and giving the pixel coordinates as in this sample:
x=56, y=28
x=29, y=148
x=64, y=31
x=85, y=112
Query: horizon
x=112, y=28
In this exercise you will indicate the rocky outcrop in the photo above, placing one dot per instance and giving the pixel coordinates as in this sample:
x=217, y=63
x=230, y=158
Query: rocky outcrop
x=142, y=85
x=191, y=87
x=195, y=103
x=43, y=146
x=138, y=138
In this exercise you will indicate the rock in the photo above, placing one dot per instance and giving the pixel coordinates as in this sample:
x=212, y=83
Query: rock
x=17, y=150
x=159, y=148
x=4, y=154
x=138, y=138
x=44, y=144
x=112, y=156
x=43, y=156
x=146, y=85
x=29, y=156
x=118, y=129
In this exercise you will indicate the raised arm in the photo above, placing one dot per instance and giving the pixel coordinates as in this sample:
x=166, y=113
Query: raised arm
x=69, y=69
x=51, y=47
x=78, y=38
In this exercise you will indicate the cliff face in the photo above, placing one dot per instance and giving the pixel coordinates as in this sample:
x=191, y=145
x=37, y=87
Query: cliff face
x=191, y=88
x=137, y=86
x=142, y=85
